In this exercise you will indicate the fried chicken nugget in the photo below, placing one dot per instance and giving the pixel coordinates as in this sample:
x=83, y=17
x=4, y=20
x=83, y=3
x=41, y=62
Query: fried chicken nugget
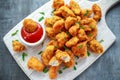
x=66, y=12
x=57, y=3
x=95, y=46
x=47, y=54
x=54, y=61
x=62, y=38
x=73, y=41
x=29, y=25
x=53, y=72
x=80, y=49
x=17, y=46
x=49, y=22
x=75, y=7
x=69, y=22
x=62, y=55
x=97, y=12
x=35, y=64
x=71, y=63
x=92, y=34
x=58, y=26
x=50, y=32
x=85, y=13
x=82, y=35
x=74, y=29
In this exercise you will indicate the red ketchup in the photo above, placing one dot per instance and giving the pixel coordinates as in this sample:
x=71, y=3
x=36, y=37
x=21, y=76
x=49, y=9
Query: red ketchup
x=32, y=37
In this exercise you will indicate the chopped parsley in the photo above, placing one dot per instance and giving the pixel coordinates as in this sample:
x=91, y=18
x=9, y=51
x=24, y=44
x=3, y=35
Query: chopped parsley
x=88, y=53
x=65, y=48
x=90, y=35
x=55, y=46
x=65, y=67
x=78, y=22
x=86, y=13
x=80, y=46
x=53, y=11
x=40, y=19
x=101, y=41
x=23, y=56
x=42, y=13
x=40, y=52
x=60, y=71
x=13, y=34
x=76, y=63
x=74, y=68
x=42, y=43
x=81, y=27
x=45, y=70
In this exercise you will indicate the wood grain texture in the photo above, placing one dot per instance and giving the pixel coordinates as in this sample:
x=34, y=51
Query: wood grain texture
x=13, y=11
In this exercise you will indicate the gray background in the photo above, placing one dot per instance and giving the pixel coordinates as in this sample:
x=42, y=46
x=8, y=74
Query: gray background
x=106, y=67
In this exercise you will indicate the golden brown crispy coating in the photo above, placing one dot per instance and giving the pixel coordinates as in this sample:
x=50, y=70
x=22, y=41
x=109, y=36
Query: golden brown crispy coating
x=17, y=46
x=71, y=63
x=35, y=64
x=57, y=3
x=74, y=29
x=82, y=35
x=49, y=22
x=97, y=12
x=58, y=26
x=69, y=22
x=62, y=39
x=54, y=61
x=53, y=42
x=73, y=41
x=53, y=72
x=29, y=25
x=75, y=7
x=66, y=12
x=95, y=46
x=92, y=34
x=80, y=49
x=50, y=32
x=62, y=55
x=47, y=54
x=85, y=13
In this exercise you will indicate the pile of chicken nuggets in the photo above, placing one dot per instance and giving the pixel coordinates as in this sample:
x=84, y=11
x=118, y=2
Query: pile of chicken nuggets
x=72, y=32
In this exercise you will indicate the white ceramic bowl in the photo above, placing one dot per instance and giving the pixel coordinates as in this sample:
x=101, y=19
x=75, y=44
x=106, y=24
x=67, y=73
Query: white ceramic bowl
x=35, y=43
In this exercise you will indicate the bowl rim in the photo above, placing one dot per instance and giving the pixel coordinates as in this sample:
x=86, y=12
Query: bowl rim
x=35, y=43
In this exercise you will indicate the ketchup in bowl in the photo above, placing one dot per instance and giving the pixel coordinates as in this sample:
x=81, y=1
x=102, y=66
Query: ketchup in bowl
x=32, y=33
x=32, y=37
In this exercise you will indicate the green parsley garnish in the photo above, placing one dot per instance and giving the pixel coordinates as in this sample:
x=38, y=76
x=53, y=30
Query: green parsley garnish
x=88, y=53
x=78, y=22
x=65, y=48
x=65, y=67
x=55, y=46
x=53, y=11
x=81, y=27
x=101, y=41
x=40, y=19
x=13, y=34
x=74, y=68
x=42, y=13
x=90, y=35
x=23, y=56
x=40, y=52
x=80, y=46
x=16, y=40
x=60, y=71
x=86, y=13
x=42, y=43
x=76, y=63
x=45, y=70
